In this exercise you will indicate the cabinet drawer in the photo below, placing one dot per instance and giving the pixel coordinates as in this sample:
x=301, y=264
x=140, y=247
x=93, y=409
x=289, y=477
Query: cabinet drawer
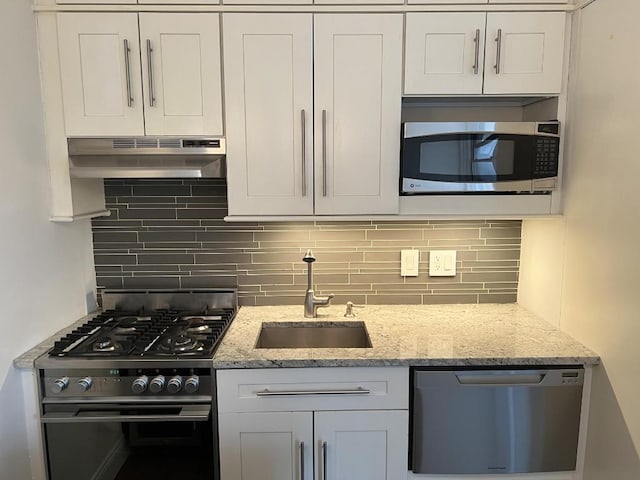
x=304, y=389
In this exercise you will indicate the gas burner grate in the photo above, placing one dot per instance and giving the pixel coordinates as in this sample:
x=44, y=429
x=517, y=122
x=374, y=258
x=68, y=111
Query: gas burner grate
x=112, y=333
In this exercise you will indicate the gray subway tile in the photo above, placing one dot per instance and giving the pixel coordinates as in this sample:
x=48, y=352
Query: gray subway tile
x=161, y=190
x=209, y=281
x=215, y=258
x=490, y=277
x=109, y=236
x=103, y=247
x=394, y=299
x=208, y=213
x=152, y=282
x=109, y=282
x=498, y=298
x=449, y=299
x=106, y=259
x=394, y=234
x=500, y=254
x=510, y=232
x=225, y=236
x=147, y=213
x=170, y=258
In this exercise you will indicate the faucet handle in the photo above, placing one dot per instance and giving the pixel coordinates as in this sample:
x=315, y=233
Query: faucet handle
x=308, y=257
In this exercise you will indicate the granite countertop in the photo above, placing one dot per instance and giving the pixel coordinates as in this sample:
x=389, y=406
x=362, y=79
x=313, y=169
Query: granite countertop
x=408, y=335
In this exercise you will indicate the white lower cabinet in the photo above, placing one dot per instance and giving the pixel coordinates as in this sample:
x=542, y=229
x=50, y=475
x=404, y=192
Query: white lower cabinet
x=337, y=426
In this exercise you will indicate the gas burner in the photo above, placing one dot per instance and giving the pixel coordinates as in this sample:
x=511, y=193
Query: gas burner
x=104, y=344
x=130, y=324
x=196, y=325
x=180, y=343
x=137, y=325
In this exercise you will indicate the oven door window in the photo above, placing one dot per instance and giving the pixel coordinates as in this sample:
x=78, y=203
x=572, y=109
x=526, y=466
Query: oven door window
x=469, y=157
x=111, y=442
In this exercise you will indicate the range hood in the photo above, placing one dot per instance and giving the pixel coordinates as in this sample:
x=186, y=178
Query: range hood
x=147, y=157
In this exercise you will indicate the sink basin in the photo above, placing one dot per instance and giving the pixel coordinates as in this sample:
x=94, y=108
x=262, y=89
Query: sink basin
x=313, y=335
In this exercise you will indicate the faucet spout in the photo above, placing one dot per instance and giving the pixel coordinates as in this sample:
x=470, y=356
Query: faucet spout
x=311, y=301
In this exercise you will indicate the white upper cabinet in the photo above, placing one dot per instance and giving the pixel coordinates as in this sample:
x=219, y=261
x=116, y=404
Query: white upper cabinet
x=287, y=125
x=455, y=54
x=269, y=113
x=358, y=65
x=181, y=73
x=528, y=52
x=107, y=91
x=100, y=69
x=444, y=53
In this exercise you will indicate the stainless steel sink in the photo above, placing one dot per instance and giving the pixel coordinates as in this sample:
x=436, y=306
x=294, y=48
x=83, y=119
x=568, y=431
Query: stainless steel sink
x=313, y=335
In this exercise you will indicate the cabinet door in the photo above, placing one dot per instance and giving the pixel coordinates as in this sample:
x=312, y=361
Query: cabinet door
x=525, y=53
x=361, y=444
x=181, y=73
x=268, y=69
x=266, y=446
x=101, y=87
x=444, y=53
x=358, y=90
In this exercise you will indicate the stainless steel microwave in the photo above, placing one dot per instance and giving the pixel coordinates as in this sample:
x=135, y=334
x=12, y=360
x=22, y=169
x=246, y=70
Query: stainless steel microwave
x=479, y=157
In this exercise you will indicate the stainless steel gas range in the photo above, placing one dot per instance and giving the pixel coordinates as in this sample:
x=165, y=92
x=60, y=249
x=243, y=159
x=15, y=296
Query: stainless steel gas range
x=130, y=394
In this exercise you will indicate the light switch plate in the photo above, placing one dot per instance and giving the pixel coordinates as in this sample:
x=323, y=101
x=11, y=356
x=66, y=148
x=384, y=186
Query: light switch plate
x=442, y=263
x=409, y=260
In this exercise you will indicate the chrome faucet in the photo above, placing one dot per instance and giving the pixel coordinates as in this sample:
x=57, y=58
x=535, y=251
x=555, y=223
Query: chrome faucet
x=311, y=302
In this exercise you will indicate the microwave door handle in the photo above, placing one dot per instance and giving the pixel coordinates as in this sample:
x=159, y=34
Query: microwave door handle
x=187, y=413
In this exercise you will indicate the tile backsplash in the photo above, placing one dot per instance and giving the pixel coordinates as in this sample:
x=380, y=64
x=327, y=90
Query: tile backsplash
x=171, y=234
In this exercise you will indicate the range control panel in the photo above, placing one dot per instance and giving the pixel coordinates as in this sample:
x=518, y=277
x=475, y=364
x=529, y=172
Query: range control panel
x=169, y=383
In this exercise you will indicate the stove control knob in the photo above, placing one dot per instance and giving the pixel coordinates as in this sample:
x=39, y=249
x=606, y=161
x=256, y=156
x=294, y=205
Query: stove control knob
x=140, y=384
x=175, y=384
x=157, y=384
x=192, y=384
x=85, y=384
x=60, y=384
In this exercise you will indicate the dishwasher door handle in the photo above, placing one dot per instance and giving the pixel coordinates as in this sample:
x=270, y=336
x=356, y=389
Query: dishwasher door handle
x=505, y=379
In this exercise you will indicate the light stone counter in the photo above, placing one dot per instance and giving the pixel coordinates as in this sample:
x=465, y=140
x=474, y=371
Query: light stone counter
x=416, y=335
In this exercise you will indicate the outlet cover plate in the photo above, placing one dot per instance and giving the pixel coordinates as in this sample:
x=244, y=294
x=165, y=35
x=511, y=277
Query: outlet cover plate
x=442, y=263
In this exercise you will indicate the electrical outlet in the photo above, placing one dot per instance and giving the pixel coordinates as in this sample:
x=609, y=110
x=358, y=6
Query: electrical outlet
x=442, y=263
x=409, y=260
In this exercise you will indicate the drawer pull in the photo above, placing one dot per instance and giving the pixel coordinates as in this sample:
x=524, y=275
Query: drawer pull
x=274, y=393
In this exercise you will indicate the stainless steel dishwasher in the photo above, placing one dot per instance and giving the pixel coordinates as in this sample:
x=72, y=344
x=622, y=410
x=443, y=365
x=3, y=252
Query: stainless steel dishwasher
x=495, y=421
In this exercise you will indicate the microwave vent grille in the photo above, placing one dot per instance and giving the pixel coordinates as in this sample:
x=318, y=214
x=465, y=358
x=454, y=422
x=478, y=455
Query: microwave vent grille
x=124, y=143
x=170, y=143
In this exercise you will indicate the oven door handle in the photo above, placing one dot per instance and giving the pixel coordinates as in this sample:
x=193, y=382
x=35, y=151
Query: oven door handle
x=187, y=413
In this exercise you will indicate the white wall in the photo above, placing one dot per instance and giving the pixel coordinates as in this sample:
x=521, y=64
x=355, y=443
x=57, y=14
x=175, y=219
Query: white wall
x=597, y=251
x=46, y=270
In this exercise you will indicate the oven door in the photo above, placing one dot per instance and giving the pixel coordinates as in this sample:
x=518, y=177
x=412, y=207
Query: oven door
x=128, y=441
x=436, y=161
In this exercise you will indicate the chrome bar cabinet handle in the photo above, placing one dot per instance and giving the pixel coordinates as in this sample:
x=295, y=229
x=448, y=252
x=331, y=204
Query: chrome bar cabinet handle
x=324, y=153
x=152, y=93
x=498, y=51
x=301, y=460
x=324, y=461
x=283, y=393
x=303, y=124
x=476, y=40
x=127, y=70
